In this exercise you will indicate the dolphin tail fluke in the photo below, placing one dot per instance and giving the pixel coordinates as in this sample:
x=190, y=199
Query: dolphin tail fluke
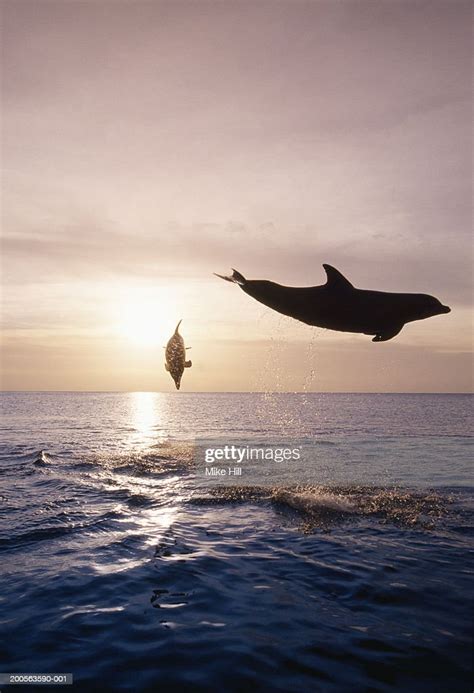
x=177, y=326
x=236, y=277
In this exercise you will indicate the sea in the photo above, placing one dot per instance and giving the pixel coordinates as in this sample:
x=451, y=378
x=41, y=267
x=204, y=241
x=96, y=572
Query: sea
x=292, y=542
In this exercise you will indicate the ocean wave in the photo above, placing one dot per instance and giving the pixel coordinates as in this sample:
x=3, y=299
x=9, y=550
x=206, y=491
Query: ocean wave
x=42, y=457
x=17, y=456
x=320, y=505
x=57, y=527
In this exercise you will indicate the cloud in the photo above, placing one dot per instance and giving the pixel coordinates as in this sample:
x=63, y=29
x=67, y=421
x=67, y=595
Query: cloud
x=84, y=252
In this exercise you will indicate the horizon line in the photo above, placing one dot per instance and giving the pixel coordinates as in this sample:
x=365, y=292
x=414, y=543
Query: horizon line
x=246, y=392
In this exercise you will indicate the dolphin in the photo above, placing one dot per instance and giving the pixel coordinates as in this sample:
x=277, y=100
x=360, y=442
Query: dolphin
x=175, y=355
x=338, y=305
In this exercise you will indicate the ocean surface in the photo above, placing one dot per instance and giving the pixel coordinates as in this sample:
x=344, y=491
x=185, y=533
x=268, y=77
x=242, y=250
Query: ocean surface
x=347, y=566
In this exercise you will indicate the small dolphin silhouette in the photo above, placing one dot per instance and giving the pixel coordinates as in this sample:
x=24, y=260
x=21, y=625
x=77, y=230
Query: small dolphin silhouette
x=338, y=305
x=176, y=357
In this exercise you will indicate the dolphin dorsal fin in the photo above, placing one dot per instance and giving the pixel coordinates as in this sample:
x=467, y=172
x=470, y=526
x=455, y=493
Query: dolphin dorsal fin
x=336, y=279
x=177, y=327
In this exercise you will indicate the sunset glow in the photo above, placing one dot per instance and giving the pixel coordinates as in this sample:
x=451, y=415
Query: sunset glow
x=164, y=145
x=146, y=323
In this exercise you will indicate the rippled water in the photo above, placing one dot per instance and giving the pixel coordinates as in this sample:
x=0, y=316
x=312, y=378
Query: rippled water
x=348, y=570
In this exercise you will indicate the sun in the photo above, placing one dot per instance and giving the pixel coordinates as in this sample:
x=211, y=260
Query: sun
x=147, y=322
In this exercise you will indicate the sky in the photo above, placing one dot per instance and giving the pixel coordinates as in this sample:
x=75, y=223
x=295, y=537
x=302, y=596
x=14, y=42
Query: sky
x=146, y=145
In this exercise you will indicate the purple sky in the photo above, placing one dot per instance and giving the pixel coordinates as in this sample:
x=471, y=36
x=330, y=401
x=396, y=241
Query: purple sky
x=147, y=144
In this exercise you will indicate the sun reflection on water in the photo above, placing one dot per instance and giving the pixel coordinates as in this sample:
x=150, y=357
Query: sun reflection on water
x=147, y=419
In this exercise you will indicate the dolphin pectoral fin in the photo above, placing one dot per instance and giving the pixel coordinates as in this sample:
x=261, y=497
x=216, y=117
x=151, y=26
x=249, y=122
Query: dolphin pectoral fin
x=167, y=368
x=188, y=348
x=385, y=335
x=236, y=277
x=336, y=280
x=188, y=364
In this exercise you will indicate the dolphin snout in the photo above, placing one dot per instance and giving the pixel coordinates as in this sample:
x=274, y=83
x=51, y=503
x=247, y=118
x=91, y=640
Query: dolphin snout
x=445, y=309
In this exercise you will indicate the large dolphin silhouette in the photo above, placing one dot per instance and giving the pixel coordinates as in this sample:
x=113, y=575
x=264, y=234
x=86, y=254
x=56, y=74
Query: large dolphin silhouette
x=176, y=357
x=338, y=305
